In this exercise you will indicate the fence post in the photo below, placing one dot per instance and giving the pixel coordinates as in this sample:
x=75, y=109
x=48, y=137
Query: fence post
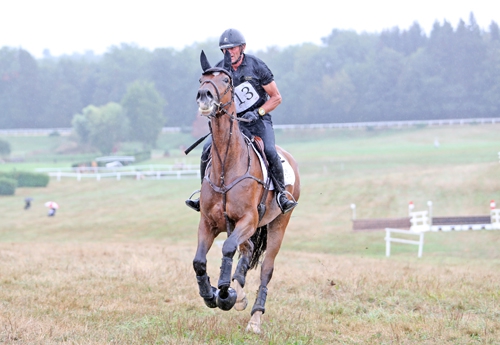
x=410, y=207
x=387, y=242
x=421, y=245
x=429, y=205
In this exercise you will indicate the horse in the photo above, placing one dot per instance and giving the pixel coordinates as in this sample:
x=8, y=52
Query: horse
x=235, y=199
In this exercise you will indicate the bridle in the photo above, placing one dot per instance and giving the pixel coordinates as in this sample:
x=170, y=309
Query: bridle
x=221, y=107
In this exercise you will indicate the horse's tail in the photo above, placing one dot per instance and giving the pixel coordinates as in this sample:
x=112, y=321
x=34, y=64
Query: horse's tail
x=259, y=240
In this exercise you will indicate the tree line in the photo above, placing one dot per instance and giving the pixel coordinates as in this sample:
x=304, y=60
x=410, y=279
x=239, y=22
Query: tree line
x=397, y=74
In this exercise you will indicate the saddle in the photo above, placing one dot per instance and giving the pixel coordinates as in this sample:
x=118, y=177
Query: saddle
x=258, y=144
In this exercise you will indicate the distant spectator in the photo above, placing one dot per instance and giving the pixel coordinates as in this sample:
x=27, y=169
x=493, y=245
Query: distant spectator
x=27, y=203
x=53, y=206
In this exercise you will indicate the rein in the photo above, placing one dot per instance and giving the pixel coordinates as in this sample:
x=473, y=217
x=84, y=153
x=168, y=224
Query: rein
x=222, y=110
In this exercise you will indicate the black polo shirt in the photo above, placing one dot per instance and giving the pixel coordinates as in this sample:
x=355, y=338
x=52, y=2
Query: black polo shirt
x=248, y=80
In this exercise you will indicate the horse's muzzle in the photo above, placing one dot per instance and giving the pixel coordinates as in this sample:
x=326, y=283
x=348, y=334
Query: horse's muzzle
x=205, y=101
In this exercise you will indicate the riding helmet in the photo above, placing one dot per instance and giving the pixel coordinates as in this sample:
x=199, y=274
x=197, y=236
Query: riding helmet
x=231, y=38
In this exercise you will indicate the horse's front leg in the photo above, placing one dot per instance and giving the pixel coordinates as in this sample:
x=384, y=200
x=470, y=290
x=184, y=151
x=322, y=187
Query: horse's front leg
x=206, y=290
x=241, y=233
x=227, y=296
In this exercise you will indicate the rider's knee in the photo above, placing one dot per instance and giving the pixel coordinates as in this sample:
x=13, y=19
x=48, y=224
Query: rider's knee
x=271, y=155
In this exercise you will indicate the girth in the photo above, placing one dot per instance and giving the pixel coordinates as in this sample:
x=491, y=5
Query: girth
x=225, y=188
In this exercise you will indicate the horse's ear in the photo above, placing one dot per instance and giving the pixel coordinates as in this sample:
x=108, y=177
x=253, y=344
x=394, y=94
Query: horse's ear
x=227, y=61
x=204, y=62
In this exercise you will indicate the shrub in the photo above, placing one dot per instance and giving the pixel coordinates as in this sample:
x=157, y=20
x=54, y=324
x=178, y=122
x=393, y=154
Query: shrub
x=27, y=179
x=7, y=186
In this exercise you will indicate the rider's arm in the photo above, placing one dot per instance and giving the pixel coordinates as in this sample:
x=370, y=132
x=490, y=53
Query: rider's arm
x=274, y=97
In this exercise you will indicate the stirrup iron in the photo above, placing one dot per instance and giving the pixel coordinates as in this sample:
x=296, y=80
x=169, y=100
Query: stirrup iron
x=293, y=201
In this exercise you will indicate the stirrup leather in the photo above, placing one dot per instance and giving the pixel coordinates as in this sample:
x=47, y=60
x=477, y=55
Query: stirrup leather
x=195, y=192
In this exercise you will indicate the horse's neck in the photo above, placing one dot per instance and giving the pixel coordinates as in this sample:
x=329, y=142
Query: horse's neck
x=229, y=144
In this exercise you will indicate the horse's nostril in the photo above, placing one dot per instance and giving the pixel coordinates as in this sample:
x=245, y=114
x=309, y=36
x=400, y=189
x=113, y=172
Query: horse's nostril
x=204, y=95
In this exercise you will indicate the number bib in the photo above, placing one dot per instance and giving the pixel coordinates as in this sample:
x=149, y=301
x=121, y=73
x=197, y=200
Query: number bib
x=245, y=96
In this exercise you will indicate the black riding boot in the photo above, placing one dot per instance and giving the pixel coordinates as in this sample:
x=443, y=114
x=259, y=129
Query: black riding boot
x=276, y=169
x=195, y=203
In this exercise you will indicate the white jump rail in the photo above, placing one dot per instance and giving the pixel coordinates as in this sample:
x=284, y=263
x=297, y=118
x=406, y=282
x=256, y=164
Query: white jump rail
x=389, y=239
x=420, y=224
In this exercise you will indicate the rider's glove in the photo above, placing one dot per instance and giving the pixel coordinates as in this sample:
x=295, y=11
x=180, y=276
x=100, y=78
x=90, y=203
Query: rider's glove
x=251, y=116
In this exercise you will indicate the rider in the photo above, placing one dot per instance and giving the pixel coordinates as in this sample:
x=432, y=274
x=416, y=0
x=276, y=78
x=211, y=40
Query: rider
x=256, y=95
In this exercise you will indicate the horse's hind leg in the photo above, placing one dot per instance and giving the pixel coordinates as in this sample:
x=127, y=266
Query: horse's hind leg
x=240, y=273
x=274, y=240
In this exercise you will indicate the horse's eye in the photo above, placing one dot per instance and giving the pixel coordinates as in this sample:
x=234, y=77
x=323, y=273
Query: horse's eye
x=199, y=81
x=226, y=80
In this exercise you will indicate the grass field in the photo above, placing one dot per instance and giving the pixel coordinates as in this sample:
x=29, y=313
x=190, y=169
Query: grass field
x=114, y=265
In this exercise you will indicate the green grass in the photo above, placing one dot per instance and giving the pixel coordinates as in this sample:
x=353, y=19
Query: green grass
x=378, y=170
x=114, y=264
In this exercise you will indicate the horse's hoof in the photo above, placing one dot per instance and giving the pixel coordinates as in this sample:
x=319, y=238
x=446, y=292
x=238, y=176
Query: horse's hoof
x=241, y=304
x=212, y=302
x=227, y=300
x=253, y=327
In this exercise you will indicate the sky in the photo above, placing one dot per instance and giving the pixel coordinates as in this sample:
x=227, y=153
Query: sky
x=77, y=26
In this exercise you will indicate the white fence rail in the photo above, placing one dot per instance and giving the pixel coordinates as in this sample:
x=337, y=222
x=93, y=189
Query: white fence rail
x=138, y=172
x=351, y=125
x=141, y=168
x=158, y=175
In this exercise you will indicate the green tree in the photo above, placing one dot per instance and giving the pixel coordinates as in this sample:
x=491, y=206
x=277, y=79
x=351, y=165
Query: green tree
x=102, y=127
x=108, y=127
x=19, y=93
x=494, y=32
x=119, y=66
x=144, y=109
x=81, y=126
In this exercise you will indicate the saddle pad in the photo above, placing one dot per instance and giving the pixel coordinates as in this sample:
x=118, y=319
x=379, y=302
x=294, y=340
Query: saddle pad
x=287, y=170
